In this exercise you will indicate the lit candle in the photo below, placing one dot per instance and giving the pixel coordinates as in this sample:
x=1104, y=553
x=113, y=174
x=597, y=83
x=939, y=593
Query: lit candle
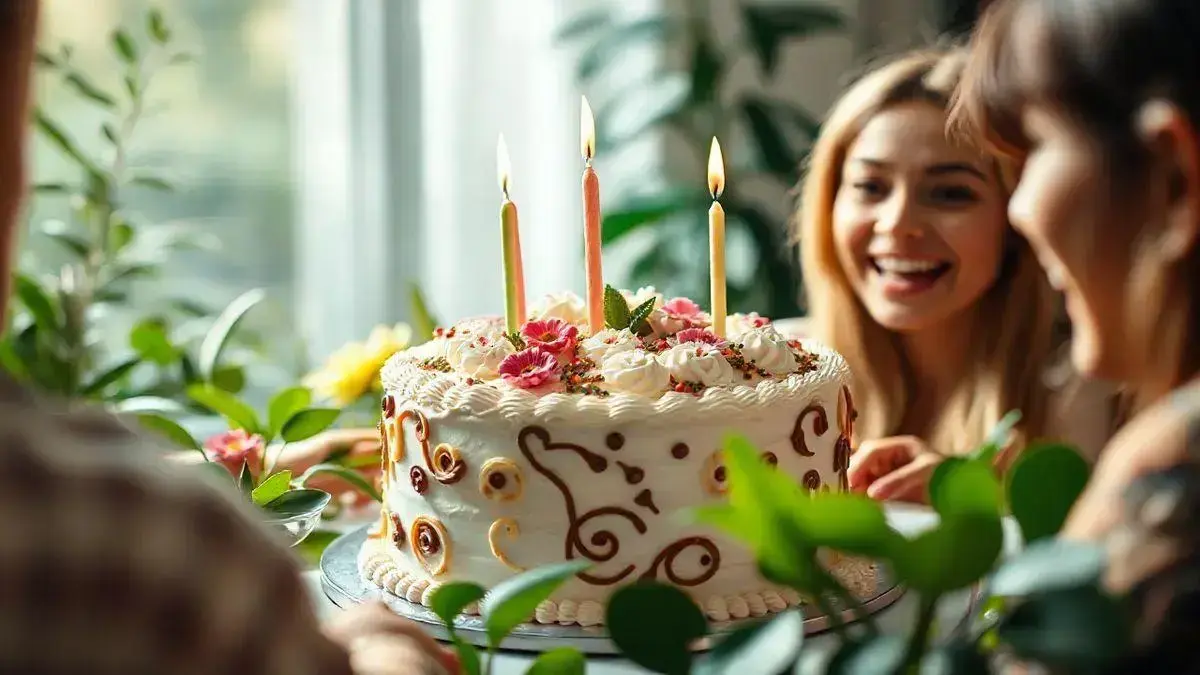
x=510, y=235
x=591, y=222
x=716, y=238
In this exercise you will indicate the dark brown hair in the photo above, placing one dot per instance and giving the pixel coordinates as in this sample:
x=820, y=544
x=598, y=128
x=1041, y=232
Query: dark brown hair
x=1095, y=62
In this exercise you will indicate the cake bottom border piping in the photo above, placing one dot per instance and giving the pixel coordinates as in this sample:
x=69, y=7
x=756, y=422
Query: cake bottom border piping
x=378, y=567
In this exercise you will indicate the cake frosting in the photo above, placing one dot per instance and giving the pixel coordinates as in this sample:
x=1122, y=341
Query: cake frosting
x=505, y=452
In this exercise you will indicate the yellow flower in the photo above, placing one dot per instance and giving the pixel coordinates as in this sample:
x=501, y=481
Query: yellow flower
x=353, y=369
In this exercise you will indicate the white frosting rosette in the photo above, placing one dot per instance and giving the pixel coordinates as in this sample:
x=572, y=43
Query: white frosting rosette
x=696, y=362
x=566, y=306
x=737, y=325
x=768, y=350
x=635, y=371
x=607, y=342
x=643, y=294
x=480, y=358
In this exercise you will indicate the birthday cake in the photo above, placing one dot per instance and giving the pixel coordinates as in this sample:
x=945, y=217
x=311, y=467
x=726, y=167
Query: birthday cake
x=505, y=451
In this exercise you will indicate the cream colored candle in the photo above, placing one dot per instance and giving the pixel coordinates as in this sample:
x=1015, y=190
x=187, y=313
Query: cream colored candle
x=591, y=221
x=510, y=237
x=716, y=238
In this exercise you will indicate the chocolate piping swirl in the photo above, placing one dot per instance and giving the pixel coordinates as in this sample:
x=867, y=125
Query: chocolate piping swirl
x=428, y=533
x=633, y=475
x=820, y=426
x=710, y=561
x=603, y=545
x=812, y=480
x=841, y=448
x=645, y=499
x=454, y=468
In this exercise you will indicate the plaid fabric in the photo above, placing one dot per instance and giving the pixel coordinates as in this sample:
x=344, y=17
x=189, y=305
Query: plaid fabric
x=111, y=563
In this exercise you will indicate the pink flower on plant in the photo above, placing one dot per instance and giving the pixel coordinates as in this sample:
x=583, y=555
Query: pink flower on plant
x=553, y=335
x=529, y=368
x=234, y=448
x=701, y=336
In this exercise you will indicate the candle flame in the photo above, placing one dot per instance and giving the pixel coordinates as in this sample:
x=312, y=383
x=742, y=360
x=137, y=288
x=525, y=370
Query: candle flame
x=716, y=170
x=503, y=165
x=587, y=131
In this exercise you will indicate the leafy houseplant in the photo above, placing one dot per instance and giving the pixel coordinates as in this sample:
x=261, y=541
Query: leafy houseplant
x=1043, y=605
x=693, y=104
x=248, y=452
x=54, y=339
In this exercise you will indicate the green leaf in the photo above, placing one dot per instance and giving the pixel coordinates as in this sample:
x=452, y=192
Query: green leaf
x=124, y=46
x=109, y=133
x=626, y=118
x=707, y=69
x=998, y=437
x=468, y=657
x=773, y=146
x=72, y=243
x=86, y=89
x=132, y=87
x=583, y=24
x=190, y=307
x=119, y=236
x=149, y=339
x=272, y=488
x=1043, y=485
x=229, y=378
x=156, y=26
x=423, y=322
x=634, y=214
x=345, y=473
x=181, y=57
x=637, y=317
x=607, y=47
x=226, y=405
x=152, y=182
x=513, y=600
x=170, y=430
x=938, y=478
x=654, y=625
x=298, y=502
x=1079, y=630
x=616, y=309
x=133, y=271
x=46, y=59
x=869, y=655
x=560, y=661
x=449, y=600
x=38, y=303
x=847, y=522
x=1049, y=565
x=308, y=423
x=51, y=188
x=109, y=377
x=284, y=404
x=969, y=489
x=925, y=565
x=314, y=546
x=764, y=646
x=222, y=329
x=768, y=25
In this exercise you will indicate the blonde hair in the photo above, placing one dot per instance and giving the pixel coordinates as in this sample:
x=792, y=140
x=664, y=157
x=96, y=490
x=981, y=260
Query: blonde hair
x=1012, y=341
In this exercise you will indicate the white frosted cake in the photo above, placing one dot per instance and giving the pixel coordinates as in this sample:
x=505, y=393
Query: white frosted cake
x=504, y=453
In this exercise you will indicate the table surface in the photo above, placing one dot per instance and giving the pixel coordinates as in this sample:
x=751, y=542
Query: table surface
x=894, y=619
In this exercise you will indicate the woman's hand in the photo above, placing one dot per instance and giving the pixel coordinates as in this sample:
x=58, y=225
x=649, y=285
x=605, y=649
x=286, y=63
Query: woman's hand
x=896, y=468
x=381, y=643
x=358, y=446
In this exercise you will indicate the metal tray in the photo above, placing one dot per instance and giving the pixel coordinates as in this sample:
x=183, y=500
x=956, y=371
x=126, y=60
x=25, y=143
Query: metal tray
x=344, y=586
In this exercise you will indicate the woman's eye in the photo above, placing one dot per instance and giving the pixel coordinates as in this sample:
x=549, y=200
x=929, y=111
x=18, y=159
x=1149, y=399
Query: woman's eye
x=870, y=188
x=953, y=194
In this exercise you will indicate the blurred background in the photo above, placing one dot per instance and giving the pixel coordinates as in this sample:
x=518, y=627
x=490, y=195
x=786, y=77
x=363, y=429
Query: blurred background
x=332, y=152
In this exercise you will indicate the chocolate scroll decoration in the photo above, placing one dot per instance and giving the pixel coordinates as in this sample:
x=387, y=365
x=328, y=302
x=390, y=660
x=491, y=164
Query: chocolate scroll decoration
x=820, y=426
x=603, y=544
x=444, y=463
x=841, y=448
x=710, y=562
x=812, y=480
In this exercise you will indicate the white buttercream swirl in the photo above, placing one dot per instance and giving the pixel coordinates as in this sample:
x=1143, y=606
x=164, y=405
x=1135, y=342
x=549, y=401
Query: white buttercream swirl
x=737, y=325
x=480, y=358
x=768, y=350
x=635, y=372
x=566, y=306
x=607, y=342
x=695, y=362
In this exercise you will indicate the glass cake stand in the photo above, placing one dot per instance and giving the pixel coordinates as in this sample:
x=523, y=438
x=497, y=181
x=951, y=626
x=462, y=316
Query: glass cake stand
x=345, y=587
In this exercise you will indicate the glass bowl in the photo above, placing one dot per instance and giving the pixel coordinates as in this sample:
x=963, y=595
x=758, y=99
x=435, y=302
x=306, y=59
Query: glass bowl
x=296, y=524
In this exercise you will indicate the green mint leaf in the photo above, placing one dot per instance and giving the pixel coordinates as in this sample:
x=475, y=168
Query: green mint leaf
x=616, y=310
x=637, y=318
x=272, y=488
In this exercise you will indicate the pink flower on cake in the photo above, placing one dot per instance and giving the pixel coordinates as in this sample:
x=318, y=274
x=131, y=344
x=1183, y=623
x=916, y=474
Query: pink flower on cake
x=234, y=448
x=529, y=368
x=701, y=336
x=682, y=308
x=553, y=335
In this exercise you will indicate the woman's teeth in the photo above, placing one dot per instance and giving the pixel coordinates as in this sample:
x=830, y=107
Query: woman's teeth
x=905, y=265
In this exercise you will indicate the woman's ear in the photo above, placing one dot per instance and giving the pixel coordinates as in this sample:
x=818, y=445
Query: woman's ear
x=1174, y=146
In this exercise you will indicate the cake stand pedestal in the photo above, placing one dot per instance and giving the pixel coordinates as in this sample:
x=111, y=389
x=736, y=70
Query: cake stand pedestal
x=344, y=586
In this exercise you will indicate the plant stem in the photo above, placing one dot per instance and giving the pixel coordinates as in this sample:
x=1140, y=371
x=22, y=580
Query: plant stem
x=919, y=640
x=835, y=618
x=854, y=605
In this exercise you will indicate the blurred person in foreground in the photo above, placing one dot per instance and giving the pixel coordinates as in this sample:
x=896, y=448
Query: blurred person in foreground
x=1100, y=103
x=113, y=562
